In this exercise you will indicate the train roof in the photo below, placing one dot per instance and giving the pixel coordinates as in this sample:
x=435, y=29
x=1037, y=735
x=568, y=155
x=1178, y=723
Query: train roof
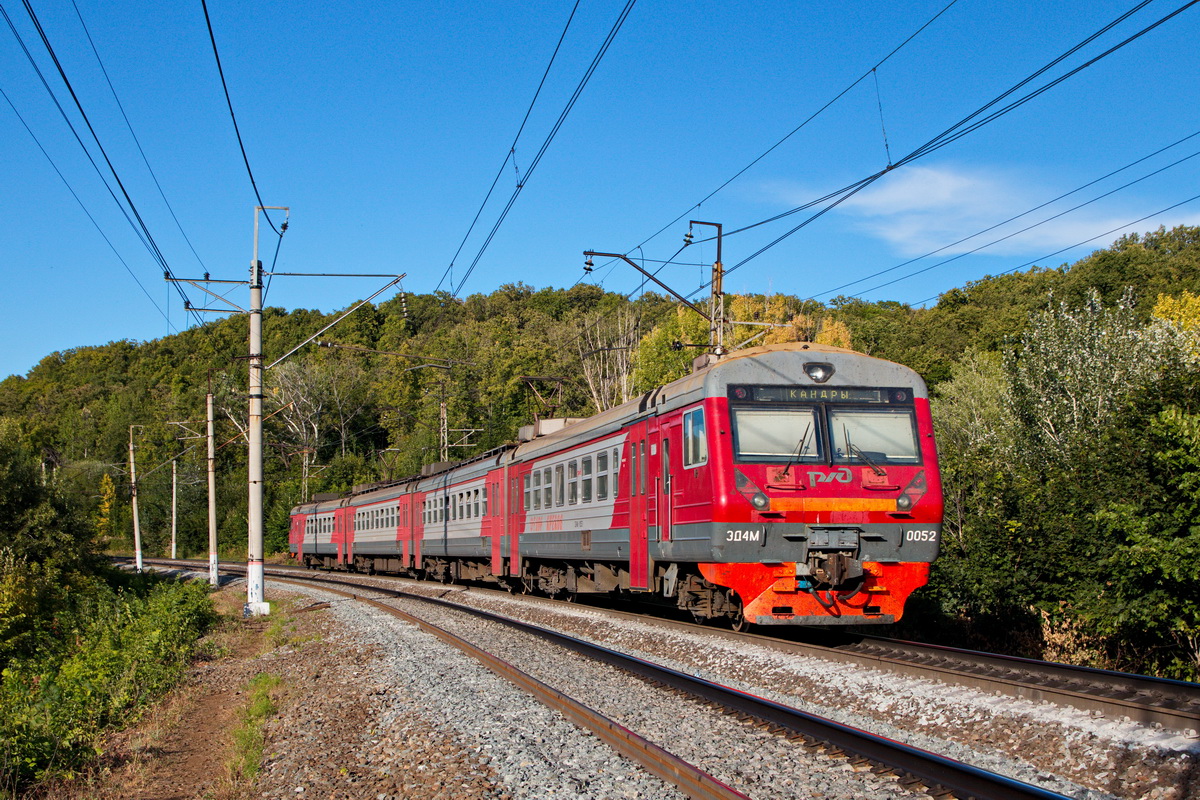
x=781, y=364
x=767, y=364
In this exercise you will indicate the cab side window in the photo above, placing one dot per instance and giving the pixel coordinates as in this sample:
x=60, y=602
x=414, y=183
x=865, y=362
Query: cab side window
x=695, y=445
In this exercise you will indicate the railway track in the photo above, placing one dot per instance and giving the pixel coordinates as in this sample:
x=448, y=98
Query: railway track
x=918, y=769
x=1145, y=699
x=689, y=779
x=1171, y=704
x=914, y=768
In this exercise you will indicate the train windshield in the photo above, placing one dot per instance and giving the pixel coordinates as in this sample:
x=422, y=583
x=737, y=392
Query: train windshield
x=825, y=433
x=885, y=435
x=766, y=434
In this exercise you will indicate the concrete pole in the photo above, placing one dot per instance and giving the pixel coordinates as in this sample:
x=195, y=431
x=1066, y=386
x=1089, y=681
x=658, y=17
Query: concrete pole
x=137, y=529
x=443, y=433
x=254, y=551
x=174, y=505
x=213, y=578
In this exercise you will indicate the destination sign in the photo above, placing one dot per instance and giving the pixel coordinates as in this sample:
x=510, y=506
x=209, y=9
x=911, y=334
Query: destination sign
x=819, y=394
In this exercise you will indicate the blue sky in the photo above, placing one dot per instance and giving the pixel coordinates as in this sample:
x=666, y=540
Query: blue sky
x=382, y=126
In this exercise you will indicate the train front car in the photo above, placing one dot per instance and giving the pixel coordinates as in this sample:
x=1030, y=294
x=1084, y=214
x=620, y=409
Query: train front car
x=827, y=503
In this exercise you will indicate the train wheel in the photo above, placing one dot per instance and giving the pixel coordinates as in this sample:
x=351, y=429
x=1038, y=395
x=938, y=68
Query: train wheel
x=737, y=617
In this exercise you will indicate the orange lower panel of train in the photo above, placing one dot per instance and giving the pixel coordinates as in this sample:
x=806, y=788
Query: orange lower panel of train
x=773, y=594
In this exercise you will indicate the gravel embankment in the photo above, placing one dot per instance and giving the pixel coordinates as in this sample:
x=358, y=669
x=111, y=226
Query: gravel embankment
x=392, y=712
x=1073, y=752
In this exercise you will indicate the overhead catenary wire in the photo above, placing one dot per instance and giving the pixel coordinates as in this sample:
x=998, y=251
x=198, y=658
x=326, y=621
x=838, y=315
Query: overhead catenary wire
x=136, y=141
x=149, y=239
x=608, y=40
x=510, y=155
x=129, y=207
x=957, y=131
x=1109, y=232
x=1031, y=227
x=86, y=212
x=233, y=117
x=952, y=133
x=803, y=124
x=1022, y=214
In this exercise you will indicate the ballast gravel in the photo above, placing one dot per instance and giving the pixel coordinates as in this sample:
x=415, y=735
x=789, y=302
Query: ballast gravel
x=741, y=755
x=391, y=712
x=399, y=714
x=1076, y=753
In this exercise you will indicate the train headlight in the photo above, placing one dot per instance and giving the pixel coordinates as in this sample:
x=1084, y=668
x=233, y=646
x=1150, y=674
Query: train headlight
x=819, y=371
x=904, y=502
x=747, y=489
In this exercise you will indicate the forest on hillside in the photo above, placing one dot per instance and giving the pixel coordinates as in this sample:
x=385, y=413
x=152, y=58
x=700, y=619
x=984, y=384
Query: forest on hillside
x=1067, y=406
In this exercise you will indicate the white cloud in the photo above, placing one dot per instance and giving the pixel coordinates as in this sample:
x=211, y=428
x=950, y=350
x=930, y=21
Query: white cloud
x=917, y=210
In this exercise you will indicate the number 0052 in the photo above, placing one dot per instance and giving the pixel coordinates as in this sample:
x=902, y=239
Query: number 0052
x=920, y=536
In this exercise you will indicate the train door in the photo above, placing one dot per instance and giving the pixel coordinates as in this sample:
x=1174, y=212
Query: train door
x=420, y=516
x=403, y=526
x=493, y=517
x=336, y=538
x=516, y=506
x=296, y=538
x=343, y=534
x=639, y=508
x=664, y=484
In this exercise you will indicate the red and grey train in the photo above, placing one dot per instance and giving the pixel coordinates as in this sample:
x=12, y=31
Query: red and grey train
x=786, y=484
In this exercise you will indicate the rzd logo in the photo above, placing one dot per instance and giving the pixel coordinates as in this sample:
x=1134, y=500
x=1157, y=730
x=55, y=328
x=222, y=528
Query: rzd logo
x=843, y=475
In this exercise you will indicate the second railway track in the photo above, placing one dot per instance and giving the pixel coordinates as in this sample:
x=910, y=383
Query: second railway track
x=1171, y=704
x=1090, y=750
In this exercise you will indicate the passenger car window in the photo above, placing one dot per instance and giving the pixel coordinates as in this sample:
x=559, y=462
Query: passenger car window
x=695, y=445
x=602, y=475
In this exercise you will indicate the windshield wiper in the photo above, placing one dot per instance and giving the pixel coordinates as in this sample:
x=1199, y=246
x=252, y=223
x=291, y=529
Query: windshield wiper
x=853, y=448
x=799, y=449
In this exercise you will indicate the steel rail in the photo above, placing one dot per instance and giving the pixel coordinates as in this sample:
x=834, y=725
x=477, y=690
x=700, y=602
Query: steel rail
x=937, y=773
x=1172, y=704
x=691, y=780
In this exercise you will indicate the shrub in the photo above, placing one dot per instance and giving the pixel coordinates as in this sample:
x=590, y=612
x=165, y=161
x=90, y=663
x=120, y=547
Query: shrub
x=121, y=651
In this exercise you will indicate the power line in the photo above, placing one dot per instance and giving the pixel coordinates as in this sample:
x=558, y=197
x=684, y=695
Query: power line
x=136, y=141
x=1018, y=216
x=140, y=229
x=84, y=207
x=1035, y=225
x=245, y=159
x=612, y=34
x=801, y=126
x=1109, y=232
x=511, y=150
x=956, y=131
x=95, y=137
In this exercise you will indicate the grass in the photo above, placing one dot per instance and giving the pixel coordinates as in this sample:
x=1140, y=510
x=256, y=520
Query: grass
x=282, y=631
x=249, y=738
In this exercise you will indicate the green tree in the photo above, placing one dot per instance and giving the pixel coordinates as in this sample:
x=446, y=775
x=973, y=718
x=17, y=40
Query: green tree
x=980, y=573
x=104, y=514
x=666, y=353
